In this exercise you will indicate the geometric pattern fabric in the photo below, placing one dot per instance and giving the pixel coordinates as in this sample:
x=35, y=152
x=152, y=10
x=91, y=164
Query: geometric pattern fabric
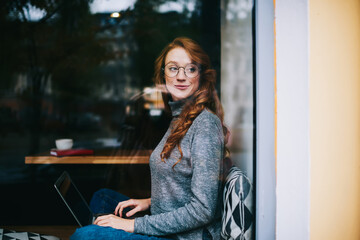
x=6, y=234
x=237, y=217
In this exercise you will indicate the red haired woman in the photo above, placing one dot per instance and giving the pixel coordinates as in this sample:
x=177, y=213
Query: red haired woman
x=186, y=166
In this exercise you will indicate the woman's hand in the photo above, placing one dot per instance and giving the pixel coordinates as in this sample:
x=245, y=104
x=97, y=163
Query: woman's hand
x=138, y=205
x=116, y=222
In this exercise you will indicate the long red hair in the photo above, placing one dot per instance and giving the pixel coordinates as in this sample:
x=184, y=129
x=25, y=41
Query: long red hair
x=204, y=97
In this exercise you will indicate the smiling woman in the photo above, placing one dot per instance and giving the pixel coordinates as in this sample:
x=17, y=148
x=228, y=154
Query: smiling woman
x=180, y=84
x=186, y=166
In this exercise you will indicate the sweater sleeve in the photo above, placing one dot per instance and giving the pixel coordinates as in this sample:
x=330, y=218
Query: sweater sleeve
x=206, y=155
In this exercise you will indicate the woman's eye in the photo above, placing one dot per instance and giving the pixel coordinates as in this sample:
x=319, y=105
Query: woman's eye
x=191, y=69
x=173, y=69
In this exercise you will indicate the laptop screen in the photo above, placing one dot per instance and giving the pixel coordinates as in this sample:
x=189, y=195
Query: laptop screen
x=74, y=200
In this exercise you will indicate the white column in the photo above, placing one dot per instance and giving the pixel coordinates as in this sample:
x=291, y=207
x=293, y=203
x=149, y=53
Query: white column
x=293, y=134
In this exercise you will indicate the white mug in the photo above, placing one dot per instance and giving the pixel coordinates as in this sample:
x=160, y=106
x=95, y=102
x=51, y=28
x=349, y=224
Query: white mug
x=64, y=144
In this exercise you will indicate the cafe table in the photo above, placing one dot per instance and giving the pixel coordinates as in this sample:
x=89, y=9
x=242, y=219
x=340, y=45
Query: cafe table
x=102, y=156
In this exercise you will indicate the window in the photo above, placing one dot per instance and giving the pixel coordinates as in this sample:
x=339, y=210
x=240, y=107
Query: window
x=83, y=70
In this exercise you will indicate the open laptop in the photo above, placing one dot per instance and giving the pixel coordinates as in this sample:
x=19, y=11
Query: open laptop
x=74, y=200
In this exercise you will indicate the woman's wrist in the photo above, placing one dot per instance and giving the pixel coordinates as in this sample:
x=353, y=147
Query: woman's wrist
x=131, y=228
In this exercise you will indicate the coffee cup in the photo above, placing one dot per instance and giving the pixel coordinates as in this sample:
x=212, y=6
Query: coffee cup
x=64, y=144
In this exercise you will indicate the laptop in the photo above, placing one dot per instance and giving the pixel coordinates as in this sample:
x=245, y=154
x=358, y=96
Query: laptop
x=74, y=201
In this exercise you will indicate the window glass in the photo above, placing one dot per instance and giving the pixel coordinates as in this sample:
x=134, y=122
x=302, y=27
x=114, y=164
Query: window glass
x=83, y=70
x=237, y=79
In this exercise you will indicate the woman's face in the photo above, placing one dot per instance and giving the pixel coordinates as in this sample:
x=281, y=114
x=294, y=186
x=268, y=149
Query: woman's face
x=180, y=86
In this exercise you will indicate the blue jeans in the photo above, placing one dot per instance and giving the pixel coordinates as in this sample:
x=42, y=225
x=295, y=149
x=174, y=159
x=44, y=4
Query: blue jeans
x=105, y=201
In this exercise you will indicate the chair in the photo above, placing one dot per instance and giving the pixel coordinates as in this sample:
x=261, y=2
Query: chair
x=237, y=217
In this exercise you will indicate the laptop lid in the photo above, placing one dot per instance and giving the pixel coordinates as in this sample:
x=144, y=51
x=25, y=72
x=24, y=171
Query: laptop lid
x=74, y=200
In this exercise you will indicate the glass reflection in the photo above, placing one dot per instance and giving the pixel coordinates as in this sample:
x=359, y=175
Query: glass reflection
x=237, y=79
x=71, y=70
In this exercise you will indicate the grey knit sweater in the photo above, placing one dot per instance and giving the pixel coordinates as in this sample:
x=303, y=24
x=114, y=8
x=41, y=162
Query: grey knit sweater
x=185, y=201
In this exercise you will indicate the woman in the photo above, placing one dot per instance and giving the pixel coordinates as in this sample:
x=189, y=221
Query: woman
x=186, y=165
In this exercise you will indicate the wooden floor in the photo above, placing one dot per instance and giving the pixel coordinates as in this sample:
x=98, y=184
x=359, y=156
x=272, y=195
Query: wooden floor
x=63, y=232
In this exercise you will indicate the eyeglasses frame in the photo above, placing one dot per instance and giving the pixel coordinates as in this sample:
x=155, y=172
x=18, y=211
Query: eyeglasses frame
x=199, y=67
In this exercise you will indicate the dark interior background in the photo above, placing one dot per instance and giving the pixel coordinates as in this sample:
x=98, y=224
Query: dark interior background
x=72, y=73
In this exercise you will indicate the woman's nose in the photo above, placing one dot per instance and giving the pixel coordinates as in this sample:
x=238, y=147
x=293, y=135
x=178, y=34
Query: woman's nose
x=181, y=74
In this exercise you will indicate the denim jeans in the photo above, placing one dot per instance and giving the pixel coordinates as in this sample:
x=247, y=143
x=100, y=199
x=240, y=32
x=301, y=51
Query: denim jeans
x=105, y=201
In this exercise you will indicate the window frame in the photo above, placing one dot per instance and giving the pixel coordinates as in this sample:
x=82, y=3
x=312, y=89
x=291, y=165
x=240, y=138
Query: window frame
x=264, y=119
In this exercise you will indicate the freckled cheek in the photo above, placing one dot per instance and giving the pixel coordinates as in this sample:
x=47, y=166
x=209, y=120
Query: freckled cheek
x=168, y=83
x=195, y=84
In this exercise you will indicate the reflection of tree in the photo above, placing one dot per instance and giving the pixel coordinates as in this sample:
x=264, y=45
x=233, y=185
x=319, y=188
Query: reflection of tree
x=61, y=47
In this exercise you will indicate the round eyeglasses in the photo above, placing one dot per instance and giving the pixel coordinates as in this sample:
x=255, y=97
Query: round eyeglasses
x=191, y=70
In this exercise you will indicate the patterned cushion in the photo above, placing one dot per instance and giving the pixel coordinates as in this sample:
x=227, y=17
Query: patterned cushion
x=13, y=235
x=237, y=219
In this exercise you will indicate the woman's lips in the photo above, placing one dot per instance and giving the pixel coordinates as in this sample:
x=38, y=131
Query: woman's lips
x=182, y=87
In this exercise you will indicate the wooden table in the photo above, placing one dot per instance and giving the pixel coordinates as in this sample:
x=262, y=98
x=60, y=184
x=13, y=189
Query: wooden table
x=99, y=157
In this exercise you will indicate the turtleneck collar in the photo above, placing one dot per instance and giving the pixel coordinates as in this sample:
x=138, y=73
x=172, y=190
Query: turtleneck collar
x=177, y=107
